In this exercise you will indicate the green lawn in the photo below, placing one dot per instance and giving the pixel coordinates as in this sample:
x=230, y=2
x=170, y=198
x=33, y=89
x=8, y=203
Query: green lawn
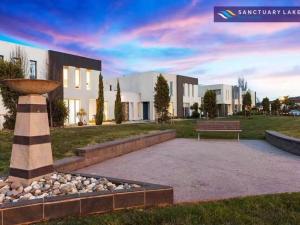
x=280, y=209
x=65, y=140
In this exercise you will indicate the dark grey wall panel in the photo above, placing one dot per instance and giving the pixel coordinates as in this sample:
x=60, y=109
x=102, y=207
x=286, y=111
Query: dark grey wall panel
x=59, y=59
x=180, y=81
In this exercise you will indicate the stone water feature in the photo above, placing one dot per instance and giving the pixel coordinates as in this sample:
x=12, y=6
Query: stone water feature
x=31, y=156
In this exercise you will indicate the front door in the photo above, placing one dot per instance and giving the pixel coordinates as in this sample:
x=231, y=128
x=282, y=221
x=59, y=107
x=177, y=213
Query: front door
x=145, y=110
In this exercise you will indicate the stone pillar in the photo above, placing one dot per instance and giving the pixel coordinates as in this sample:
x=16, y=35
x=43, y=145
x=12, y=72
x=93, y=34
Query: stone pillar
x=31, y=152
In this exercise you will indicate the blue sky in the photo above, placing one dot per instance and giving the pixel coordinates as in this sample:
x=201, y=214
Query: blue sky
x=169, y=36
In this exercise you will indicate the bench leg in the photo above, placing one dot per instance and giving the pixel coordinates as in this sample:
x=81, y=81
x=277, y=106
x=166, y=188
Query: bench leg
x=198, y=136
x=238, y=136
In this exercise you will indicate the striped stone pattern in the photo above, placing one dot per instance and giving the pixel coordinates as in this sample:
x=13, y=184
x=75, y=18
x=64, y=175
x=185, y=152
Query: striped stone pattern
x=31, y=151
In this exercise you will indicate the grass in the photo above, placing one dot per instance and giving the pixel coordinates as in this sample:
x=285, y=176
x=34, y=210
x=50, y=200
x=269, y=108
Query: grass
x=279, y=209
x=65, y=140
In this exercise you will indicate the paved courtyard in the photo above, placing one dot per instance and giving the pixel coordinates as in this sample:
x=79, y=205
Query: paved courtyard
x=208, y=169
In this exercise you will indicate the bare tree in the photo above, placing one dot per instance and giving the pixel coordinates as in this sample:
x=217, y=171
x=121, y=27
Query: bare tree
x=242, y=83
x=19, y=56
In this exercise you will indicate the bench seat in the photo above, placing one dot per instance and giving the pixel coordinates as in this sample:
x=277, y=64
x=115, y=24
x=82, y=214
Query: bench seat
x=218, y=126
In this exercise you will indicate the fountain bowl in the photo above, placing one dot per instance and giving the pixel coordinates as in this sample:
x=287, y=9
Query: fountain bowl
x=27, y=86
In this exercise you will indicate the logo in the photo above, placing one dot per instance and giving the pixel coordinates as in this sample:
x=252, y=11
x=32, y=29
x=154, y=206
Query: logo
x=226, y=14
x=256, y=14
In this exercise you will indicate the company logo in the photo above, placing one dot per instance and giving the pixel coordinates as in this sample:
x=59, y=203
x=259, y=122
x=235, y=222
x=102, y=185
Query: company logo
x=256, y=14
x=226, y=14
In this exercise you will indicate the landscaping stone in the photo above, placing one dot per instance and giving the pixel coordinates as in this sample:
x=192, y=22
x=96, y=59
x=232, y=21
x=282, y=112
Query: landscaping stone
x=55, y=185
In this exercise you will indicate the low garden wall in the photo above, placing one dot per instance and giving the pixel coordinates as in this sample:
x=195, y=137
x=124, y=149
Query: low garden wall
x=283, y=142
x=93, y=154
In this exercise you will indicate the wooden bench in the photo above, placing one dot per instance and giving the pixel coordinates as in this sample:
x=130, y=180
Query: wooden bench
x=218, y=126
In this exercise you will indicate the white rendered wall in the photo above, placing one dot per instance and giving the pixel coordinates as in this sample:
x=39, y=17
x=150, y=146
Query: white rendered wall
x=36, y=54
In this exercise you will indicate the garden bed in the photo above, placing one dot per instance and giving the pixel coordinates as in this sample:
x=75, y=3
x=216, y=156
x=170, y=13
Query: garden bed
x=115, y=194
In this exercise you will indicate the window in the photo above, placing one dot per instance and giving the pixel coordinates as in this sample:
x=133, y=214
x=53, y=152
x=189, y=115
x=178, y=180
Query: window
x=183, y=89
x=16, y=60
x=218, y=91
x=110, y=87
x=77, y=78
x=32, y=69
x=73, y=107
x=192, y=90
x=189, y=90
x=1, y=57
x=65, y=76
x=171, y=88
x=88, y=80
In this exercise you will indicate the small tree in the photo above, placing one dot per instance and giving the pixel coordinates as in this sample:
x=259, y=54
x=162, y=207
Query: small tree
x=162, y=98
x=210, y=104
x=81, y=114
x=266, y=105
x=247, y=101
x=100, y=102
x=118, y=106
x=10, y=70
x=275, y=106
x=195, y=108
x=60, y=112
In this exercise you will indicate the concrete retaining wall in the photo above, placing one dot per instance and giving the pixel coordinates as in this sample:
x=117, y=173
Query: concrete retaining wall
x=100, y=152
x=283, y=142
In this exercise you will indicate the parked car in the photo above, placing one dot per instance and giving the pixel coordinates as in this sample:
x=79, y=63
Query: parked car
x=294, y=112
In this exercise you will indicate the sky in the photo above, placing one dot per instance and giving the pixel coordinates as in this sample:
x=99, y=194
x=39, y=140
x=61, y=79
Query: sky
x=169, y=36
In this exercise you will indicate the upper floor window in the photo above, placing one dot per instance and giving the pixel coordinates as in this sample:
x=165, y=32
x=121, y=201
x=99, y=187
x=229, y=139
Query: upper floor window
x=218, y=91
x=183, y=89
x=88, y=80
x=110, y=87
x=65, y=76
x=77, y=78
x=32, y=69
x=192, y=90
x=189, y=90
x=1, y=57
x=171, y=88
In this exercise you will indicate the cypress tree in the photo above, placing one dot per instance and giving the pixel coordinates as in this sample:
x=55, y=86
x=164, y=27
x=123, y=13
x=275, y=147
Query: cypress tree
x=100, y=102
x=162, y=98
x=118, y=106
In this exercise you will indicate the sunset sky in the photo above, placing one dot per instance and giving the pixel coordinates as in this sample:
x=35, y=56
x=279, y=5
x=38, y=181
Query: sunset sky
x=163, y=35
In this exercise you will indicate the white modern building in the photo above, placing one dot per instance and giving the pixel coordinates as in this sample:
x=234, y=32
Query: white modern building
x=79, y=90
x=140, y=87
x=229, y=97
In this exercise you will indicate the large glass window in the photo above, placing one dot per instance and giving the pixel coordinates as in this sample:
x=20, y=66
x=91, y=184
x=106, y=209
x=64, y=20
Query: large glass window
x=74, y=107
x=77, y=78
x=88, y=80
x=65, y=76
x=32, y=69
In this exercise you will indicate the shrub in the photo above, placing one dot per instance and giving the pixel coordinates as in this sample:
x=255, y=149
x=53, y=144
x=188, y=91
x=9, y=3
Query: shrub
x=195, y=108
x=59, y=112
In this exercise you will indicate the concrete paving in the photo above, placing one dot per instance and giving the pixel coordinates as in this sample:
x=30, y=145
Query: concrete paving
x=209, y=169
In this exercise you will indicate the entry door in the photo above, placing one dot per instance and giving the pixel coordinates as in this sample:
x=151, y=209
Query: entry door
x=145, y=110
